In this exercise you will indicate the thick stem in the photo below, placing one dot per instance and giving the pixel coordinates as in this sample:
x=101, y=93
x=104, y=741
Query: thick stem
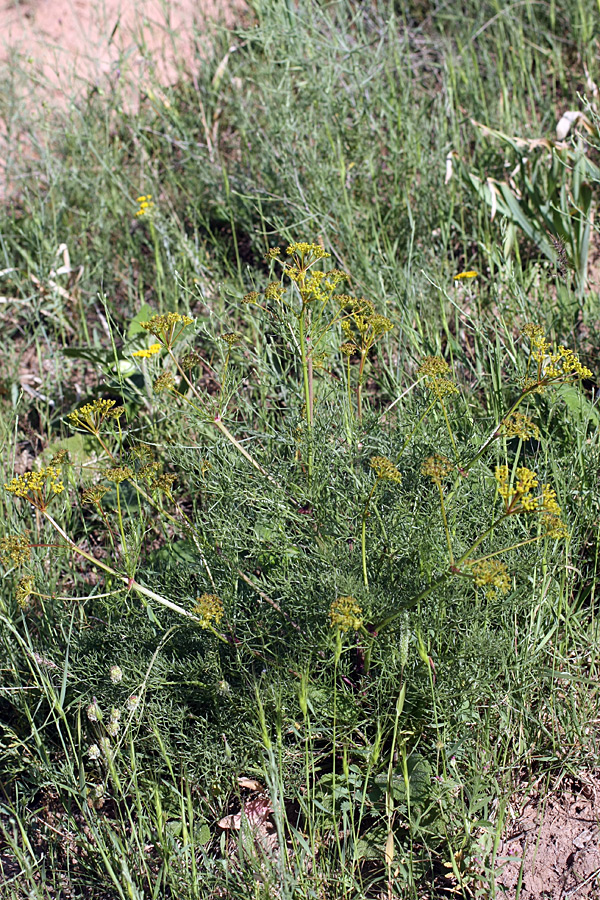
x=130, y=583
x=359, y=386
x=363, y=536
x=307, y=390
x=445, y=521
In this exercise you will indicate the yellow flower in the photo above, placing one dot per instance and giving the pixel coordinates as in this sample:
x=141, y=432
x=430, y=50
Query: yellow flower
x=385, y=469
x=209, y=608
x=167, y=327
x=145, y=204
x=91, y=416
x=491, y=574
x=37, y=486
x=148, y=352
x=346, y=614
x=469, y=274
x=306, y=251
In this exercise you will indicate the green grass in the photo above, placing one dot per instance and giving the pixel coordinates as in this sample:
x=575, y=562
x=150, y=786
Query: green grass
x=387, y=753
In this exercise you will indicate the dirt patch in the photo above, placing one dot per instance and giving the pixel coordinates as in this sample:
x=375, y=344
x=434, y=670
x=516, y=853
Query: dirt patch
x=68, y=44
x=552, y=849
x=53, y=52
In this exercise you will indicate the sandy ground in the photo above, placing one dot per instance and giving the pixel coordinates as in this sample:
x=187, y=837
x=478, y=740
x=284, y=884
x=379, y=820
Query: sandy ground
x=72, y=44
x=53, y=51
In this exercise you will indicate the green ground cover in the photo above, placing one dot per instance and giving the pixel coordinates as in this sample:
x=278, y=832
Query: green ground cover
x=322, y=519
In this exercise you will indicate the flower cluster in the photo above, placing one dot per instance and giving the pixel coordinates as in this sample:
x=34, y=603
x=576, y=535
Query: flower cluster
x=385, y=470
x=91, y=416
x=552, y=368
x=25, y=589
x=521, y=426
x=168, y=327
x=231, y=338
x=14, y=550
x=37, y=487
x=346, y=614
x=435, y=369
x=148, y=351
x=306, y=253
x=114, y=722
x=191, y=359
x=164, y=382
x=94, y=494
x=118, y=474
x=519, y=498
x=437, y=468
x=491, y=574
x=209, y=608
x=145, y=204
x=361, y=325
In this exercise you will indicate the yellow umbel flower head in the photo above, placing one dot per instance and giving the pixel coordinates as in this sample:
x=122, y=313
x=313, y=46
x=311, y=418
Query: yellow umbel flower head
x=168, y=327
x=92, y=416
x=345, y=614
x=37, y=487
x=491, y=574
x=385, y=470
x=209, y=608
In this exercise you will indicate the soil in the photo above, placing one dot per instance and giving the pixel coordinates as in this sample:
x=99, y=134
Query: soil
x=551, y=849
x=54, y=51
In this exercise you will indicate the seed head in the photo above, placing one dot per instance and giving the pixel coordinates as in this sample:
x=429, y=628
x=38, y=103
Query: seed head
x=164, y=382
x=94, y=495
x=437, y=467
x=521, y=426
x=116, y=674
x=231, y=338
x=118, y=474
x=25, y=589
x=491, y=574
x=14, y=550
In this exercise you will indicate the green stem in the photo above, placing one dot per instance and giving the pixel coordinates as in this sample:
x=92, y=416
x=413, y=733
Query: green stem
x=130, y=583
x=363, y=536
x=445, y=521
x=454, y=447
x=363, y=359
x=121, y=528
x=307, y=390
